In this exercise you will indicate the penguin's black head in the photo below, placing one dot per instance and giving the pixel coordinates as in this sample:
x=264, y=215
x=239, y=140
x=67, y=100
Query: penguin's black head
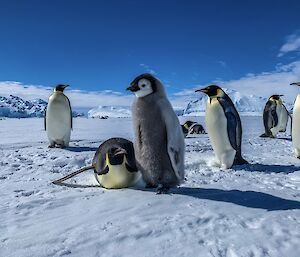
x=275, y=97
x=143, y=85
x=116, y=155
x=60, y=87
x=295, y=83
x=212, y=91
x=188, y=123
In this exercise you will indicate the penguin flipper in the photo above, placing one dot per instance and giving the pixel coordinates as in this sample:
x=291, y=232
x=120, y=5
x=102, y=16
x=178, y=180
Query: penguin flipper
x=175, y=138
x=274, y=117
x=71, y=116
x=232, y=129
x=45, y=123
x=130, y=157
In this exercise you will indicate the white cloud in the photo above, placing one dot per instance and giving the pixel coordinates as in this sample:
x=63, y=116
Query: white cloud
x=262, y=84
x=78, y=98
x=292, y=44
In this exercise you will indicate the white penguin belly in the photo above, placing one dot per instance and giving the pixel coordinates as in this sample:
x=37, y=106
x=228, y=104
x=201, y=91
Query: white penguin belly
x=296, y=127
x=216, y=124
x=276, y=129
x=58, y=120
x=117, y=177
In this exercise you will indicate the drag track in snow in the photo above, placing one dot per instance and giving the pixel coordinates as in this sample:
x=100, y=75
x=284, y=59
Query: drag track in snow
x=249, y=210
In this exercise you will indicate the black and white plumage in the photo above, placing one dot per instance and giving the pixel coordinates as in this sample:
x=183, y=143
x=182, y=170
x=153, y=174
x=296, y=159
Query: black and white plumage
x=224, y=127
x=192, y=127
x=58, y=118
x=272, y=116
x=159, y=143
x=114, y=164
x=296, y=124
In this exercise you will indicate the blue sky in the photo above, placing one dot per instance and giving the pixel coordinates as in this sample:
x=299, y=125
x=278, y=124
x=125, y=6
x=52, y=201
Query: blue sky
x=103, y=45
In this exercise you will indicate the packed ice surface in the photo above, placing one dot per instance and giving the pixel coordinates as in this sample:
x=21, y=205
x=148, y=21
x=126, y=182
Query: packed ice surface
x=251, y=210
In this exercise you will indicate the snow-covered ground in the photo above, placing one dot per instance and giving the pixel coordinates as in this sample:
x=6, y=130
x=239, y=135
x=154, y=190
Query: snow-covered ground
x=252, y=210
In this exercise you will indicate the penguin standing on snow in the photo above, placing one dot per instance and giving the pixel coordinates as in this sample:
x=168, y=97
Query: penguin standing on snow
x=58, y=118
x=296, y=124
x=159, y=142
x=224, y=127
x=273, y=116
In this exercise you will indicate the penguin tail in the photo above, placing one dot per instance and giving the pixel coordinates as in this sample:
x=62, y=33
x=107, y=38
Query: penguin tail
x=239, y=160
x=264, y=135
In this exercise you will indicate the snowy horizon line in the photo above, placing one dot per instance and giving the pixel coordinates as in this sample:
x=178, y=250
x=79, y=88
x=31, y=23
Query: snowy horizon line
x=262, y=84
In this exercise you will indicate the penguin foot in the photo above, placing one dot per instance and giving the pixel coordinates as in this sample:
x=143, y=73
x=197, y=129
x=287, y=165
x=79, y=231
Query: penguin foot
x=60, y=146
x=161, y=189
x=51, y=146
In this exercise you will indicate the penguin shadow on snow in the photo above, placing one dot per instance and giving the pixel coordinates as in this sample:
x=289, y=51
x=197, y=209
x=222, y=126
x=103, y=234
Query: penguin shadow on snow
x=267, y=168
x=81, y=149
x=285, y=138
x=251, y=199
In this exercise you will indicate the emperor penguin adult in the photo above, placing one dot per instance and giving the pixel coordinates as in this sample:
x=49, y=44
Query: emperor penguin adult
x=58, y=118
x=159, y=142
x=114, y=164
x=273, y=116
x=296, y=124
x=224, y=127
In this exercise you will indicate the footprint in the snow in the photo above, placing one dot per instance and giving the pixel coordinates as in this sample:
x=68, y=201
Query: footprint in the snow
x=21, y=193
x=28, y=193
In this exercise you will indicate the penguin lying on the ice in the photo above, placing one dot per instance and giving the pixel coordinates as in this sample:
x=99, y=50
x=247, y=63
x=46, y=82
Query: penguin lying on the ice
x=191, y=127
x=113, y=163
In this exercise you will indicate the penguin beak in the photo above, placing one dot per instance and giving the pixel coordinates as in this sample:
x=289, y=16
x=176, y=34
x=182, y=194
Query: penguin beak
x=66, y=86
x=203, y=90
x=133, y=88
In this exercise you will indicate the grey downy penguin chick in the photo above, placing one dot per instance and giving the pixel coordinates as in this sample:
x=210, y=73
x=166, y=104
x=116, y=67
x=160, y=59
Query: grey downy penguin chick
x=224, y=127
x=159, y=142
x=58, y=118
x=113, y=164
x=272, y=116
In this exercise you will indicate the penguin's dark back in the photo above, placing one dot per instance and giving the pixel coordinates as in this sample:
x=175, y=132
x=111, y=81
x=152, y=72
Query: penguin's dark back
x=117, y=142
